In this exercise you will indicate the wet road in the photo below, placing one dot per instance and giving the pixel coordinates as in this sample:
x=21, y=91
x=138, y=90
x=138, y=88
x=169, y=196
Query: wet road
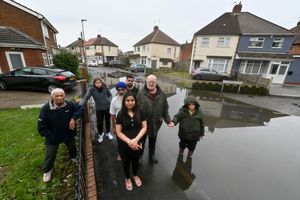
x=248, y=153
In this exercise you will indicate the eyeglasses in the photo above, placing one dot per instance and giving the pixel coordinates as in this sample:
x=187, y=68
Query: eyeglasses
x=121, y=89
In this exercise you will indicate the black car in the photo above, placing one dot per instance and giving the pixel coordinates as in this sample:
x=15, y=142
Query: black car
x=38, y=78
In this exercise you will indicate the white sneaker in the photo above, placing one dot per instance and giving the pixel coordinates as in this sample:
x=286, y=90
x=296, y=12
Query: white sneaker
x=109, y=136
x=100, y=139
x=47, y=176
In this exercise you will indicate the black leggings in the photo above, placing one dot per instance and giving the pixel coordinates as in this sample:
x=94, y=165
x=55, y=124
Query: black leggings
x=130, y=158
x=100, y=114
x=126, y=166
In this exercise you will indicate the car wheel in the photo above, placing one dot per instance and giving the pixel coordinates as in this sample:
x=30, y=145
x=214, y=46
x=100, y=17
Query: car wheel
x=3, y=85
x=198, y=77
x=50, y=88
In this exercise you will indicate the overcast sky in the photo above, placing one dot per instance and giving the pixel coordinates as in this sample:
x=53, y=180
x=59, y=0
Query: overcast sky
x=125, y=22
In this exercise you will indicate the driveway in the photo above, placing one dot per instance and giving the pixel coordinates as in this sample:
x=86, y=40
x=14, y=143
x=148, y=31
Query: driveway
x=16, y=99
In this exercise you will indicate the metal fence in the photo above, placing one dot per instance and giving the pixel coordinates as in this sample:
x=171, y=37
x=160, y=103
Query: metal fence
x=80, y=176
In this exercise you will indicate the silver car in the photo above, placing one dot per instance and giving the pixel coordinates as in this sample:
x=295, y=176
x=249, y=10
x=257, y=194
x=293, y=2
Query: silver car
x=209, y=74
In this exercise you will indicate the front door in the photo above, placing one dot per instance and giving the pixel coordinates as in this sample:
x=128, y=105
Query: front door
x=278, y=72
x=153, y=64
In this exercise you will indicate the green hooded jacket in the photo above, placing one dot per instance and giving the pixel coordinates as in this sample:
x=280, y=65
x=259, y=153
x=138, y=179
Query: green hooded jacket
x=191, y=127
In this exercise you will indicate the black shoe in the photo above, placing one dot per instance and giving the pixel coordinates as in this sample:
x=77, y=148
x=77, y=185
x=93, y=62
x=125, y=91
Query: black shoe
x=153, y=159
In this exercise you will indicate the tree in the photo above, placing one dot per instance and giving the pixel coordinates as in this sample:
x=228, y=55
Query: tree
x=66, y=60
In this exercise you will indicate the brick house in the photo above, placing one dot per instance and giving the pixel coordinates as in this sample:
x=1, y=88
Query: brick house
x=35, y=42
x=157, y=50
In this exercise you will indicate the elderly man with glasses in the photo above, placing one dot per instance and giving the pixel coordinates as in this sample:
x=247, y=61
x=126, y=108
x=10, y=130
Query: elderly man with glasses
x=153, y=102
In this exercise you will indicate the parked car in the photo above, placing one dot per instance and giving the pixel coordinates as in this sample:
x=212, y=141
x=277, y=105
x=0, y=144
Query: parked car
x=116, y=63
x=209, y=74
x=137, y=67
x=92, y=64
x=38, y=78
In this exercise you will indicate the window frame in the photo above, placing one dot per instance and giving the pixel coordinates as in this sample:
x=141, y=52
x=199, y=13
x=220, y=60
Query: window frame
x=280, y=42
x=256, y=40
x=223, y=42
x=204, y=42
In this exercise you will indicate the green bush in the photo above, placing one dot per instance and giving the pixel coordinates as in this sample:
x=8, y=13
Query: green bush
x=66, y=60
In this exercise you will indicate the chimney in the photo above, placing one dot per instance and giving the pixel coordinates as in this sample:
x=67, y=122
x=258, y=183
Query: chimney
x=298, y=24
x=237, y=8
x=79, y=38
x=155, y=28
x=98, y=36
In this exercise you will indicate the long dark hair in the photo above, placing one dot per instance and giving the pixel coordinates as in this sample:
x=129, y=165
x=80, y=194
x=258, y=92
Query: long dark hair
x=135, y=109
x=99, y=79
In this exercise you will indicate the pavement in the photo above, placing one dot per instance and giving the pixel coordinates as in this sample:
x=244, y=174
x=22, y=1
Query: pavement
x=285, y=91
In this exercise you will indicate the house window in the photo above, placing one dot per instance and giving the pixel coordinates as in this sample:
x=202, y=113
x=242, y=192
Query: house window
x=109, y=48
x=45, y=58
x=138, y=49
x=204, y=42
x=223, y=42
x=277, y=42
x=218, y=64
x=250, y=67
x=256, y=42
x=169, y=51
x=15, y=60
x=45, y=30
x=144, y=47
x=50, y=59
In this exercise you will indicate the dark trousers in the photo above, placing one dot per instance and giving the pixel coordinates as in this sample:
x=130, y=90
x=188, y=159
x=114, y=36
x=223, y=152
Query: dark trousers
x=126, y=166
x=152, y=142
x=100, y=115
x=51, y=151
x=190, y=144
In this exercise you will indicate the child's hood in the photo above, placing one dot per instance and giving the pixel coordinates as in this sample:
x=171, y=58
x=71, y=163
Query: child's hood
x=191, y=99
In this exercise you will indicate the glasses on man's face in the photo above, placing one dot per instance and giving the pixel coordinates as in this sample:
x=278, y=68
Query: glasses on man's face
x=121, y=89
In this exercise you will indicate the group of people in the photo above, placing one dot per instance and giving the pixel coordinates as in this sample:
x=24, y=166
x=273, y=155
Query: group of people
x=133, y=115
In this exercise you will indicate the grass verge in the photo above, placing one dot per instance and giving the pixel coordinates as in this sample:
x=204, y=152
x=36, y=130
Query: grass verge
x=21, y=157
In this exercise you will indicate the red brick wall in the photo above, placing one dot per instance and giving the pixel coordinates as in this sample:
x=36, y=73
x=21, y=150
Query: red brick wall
x=185, y=52
x=24, y=22
x=21, y=20
x=295, y=49
x=32, y=57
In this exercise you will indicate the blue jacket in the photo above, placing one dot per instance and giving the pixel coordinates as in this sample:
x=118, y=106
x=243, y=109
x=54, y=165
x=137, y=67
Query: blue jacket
x=53, y=124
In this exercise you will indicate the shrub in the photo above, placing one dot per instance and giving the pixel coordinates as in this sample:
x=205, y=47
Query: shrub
x=66, y=60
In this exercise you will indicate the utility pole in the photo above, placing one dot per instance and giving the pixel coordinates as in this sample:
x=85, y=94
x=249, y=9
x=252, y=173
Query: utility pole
x=84, y=67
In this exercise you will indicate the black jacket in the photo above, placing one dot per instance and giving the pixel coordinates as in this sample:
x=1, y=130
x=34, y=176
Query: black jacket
x=191, y=127
x=53, y=124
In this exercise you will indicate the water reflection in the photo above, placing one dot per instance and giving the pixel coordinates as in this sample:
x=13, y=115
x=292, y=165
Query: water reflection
x=182, y=173
x=227, y=113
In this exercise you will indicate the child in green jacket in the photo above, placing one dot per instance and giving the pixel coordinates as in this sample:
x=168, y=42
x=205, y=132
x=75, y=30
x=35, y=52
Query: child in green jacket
x=191, y=125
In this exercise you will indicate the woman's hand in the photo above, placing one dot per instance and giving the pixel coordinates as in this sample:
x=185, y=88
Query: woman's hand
x=133, y=144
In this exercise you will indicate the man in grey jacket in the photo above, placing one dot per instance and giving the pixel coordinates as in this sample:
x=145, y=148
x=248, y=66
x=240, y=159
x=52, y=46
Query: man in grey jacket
x=153, y=102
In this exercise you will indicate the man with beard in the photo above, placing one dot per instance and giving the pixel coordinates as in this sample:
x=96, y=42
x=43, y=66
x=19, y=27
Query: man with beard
x=153, y=102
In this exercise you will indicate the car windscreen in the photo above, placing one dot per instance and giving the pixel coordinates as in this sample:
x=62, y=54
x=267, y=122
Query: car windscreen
x=66, y=73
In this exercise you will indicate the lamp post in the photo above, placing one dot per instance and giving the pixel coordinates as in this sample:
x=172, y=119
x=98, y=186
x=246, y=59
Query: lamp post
x=84, y=67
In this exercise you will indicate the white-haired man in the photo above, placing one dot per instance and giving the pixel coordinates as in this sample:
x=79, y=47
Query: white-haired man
x=57, y=124
x=153, y=102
